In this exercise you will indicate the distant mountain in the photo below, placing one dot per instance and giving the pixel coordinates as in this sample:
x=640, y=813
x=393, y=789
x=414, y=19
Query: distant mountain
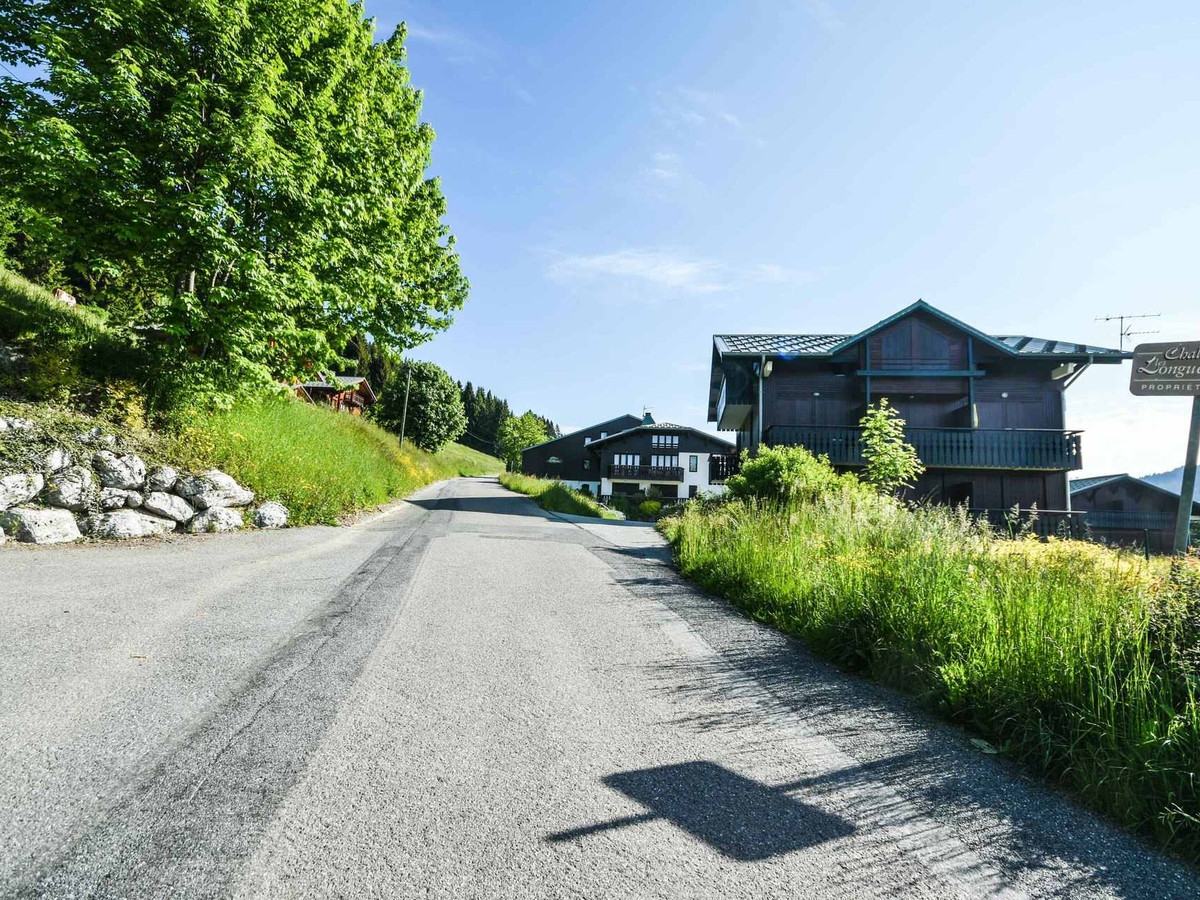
x=1172, y=480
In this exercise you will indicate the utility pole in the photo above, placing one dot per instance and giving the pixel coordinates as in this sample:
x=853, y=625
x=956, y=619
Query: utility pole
x=1187, y=491
x=1126, y=331
x=404, y=414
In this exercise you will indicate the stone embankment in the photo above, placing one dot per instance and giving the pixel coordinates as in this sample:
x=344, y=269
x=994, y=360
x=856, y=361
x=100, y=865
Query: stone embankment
x=111, y=495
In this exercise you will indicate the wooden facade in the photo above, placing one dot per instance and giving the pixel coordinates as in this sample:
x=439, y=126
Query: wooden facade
x=344, y=393
x=986, y=414
x=1121, y=509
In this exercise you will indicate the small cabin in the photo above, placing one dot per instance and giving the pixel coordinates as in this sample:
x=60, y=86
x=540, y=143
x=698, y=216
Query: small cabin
x=1121, y=509
x=344, y=393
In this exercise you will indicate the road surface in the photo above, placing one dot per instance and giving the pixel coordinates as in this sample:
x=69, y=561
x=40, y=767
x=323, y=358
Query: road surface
x=468, y=697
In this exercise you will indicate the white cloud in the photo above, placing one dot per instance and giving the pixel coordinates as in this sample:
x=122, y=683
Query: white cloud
x=455, y=45
x=664, y=167
x=688, y=107
x=670, y=271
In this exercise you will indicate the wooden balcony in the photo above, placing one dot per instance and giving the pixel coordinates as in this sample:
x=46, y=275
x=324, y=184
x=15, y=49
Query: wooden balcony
x=1032, y=449
x=647, y=473
x=721, y=466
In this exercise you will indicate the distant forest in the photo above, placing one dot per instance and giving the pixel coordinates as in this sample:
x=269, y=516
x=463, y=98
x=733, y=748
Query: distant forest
x=1172, y=481
x=485, y=414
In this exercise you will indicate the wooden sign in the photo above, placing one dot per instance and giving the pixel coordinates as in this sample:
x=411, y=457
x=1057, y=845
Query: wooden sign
x=1173, y=370
x=1166, y=370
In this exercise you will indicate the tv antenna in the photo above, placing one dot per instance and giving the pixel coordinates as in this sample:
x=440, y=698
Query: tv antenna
x=1127, y=330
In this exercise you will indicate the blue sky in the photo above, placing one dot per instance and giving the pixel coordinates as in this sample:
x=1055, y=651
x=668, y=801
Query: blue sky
x=625, y=179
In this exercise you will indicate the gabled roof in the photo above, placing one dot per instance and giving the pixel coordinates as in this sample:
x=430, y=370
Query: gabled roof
x=339, y=383
x=832, y=344
x=581, y=430
x=1079, y=485
x=661, y=427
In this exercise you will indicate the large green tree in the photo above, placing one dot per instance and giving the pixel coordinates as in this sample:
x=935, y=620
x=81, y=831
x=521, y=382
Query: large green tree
x=435, y=411
x=245, y=178
x=515, y=434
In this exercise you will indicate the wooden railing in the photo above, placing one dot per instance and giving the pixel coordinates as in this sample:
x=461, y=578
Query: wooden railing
x=647, y=473
x=721, y=467
x=1048, y=450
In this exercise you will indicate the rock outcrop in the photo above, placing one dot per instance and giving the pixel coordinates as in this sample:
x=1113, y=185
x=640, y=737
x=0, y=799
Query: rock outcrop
x=213, y=490
x=218, y=518
x=17, y=489
x=270, y=515
x=40, y=526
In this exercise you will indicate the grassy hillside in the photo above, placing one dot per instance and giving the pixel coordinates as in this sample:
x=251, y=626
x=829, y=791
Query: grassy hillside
x=319, y=463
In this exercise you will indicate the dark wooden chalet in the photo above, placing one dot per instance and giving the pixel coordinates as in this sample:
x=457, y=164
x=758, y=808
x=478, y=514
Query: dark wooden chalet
x=567, y=458
x=985, y=412
x=1121, y=509
x=629, y=454
x=345, y=393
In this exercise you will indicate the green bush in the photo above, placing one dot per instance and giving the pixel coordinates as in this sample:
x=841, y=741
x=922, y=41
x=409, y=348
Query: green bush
x=786, y=474
x=650, y=508
x=1069, y=656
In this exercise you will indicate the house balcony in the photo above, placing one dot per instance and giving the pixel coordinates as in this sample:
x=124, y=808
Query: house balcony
x=647, y=473
x=721, y=466
x=1032, y=449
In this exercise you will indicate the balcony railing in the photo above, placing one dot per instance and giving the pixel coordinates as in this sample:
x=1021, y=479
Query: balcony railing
x=647, y=473
x=721, y=467
x=1047, y=450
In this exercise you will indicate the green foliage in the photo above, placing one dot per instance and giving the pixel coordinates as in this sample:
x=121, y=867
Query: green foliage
x=246, y=179
x=650, y=508
x=784, y=474
x=63, y=354
x=554, y=495
x=320, y=463
x=517, y=433
x=435, y=413
x=892, y=462
x=1069, y=656
x=62, y=428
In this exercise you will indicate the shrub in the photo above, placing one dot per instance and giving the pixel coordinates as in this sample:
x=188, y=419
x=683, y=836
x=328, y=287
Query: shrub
x=892, y=462
x=786, y=474
x=435, y=415
x=554, y=496
x=650, y=508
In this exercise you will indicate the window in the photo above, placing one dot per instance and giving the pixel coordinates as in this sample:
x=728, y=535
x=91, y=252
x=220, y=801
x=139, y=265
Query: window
x=586, y=441
x=627, y=459
x=603, y=435
x=664, y=441
x=693, y=463
x=693, y=489
x=663, y=461
x=587, y=463
x=554, y=459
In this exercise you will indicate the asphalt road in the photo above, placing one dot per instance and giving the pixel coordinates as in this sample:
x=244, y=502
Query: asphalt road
x=467, y=697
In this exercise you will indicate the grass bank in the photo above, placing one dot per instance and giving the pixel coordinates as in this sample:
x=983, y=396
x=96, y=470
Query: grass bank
x=554, y=496
x=319, y=463
x=1073, y=658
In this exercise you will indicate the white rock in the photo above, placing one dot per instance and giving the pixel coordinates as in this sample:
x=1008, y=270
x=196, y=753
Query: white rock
x=71, y=488
x=56, y=459
x=97, y=436
x=119, y=498
x=270, y=515
x=219, y=518
x=127, y=471
x=123, y=524
x=163, y=504
x=15, y=489
x=213, y=489
x=40, y=526
x=162, y=478
x=15, y=423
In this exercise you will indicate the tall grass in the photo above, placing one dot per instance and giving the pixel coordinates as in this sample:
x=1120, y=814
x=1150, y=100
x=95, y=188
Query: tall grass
x=321, y=464
x=555, y=496
x=1071, y=657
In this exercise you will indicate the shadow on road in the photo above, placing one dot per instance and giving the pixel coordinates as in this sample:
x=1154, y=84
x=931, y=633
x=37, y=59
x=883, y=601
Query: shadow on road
x=736, y=816
x=498, y=505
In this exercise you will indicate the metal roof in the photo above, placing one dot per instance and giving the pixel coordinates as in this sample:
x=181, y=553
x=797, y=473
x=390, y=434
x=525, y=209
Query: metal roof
x=1086, y=484
x=660, y=426
x=563, y=437
x=827, y=344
